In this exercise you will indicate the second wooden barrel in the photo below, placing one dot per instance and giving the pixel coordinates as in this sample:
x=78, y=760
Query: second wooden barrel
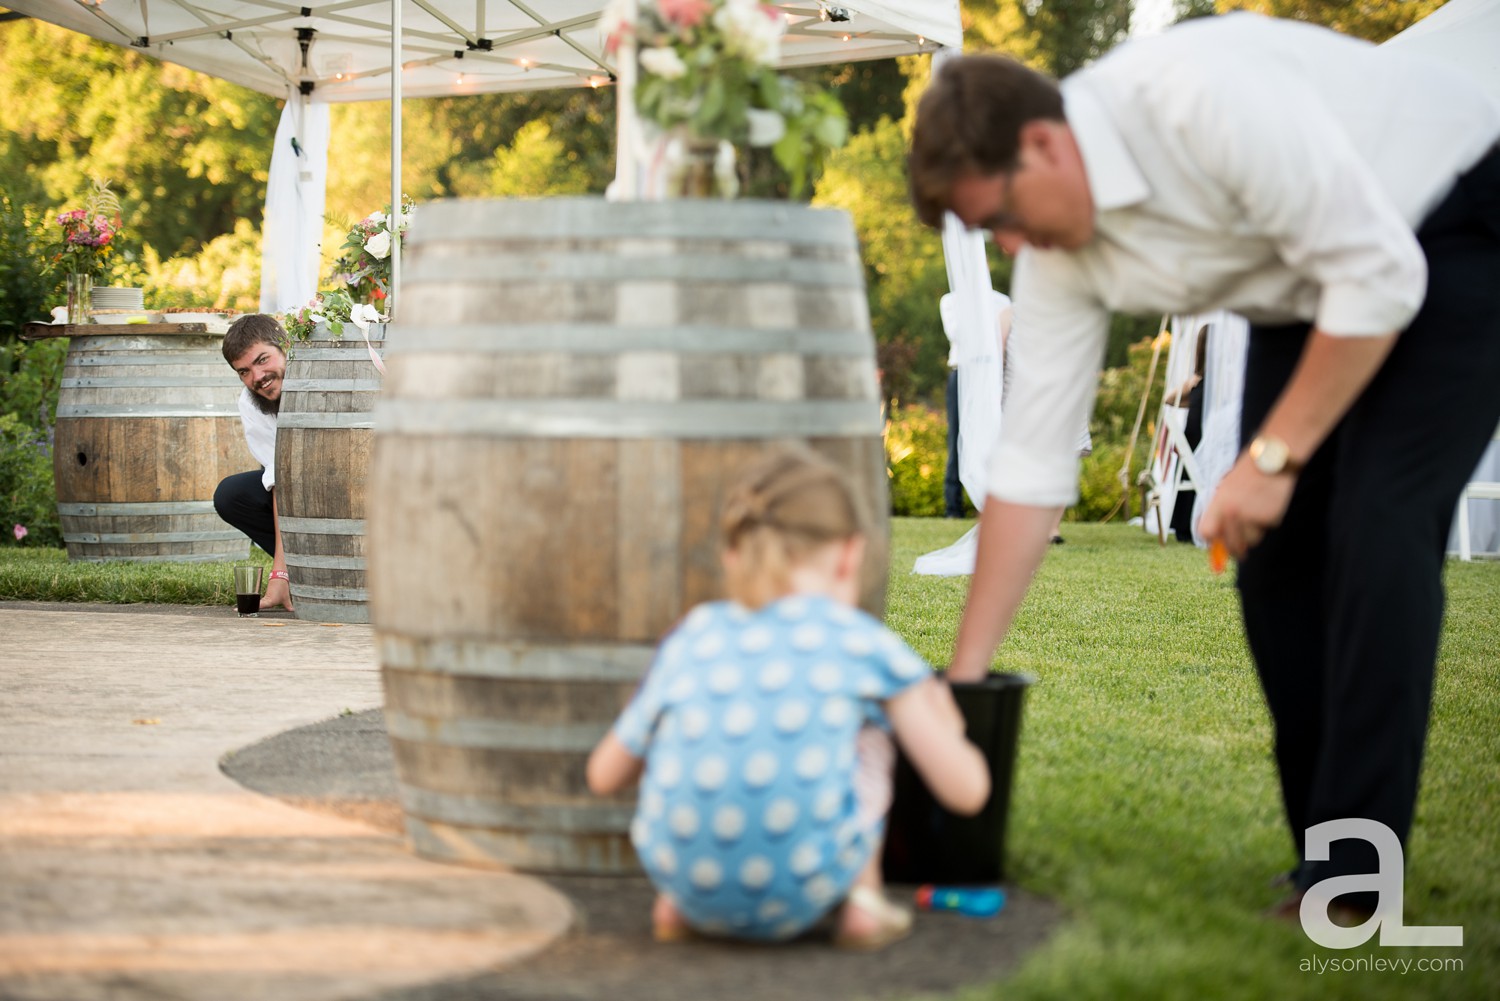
x=147, y=426
x=323, y=436
x=572, y=386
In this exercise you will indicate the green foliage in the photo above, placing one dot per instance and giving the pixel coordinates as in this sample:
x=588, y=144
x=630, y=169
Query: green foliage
x=916, y=449
x=904, y=270
x=223, y=274
x=30, y=376
x=25, y=286
x=1054, y=36
x=1098, y=483
x=27, y=497
x=189, y=153
x=536, y=164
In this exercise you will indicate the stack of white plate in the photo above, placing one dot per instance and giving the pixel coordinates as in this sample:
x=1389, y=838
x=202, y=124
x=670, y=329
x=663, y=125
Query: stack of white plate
x=116, y=297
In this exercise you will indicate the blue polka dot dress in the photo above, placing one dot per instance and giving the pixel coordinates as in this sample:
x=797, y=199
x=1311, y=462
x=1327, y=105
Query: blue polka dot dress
x=747, y=722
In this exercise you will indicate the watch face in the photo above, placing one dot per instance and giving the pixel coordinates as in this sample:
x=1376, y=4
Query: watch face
x=1269, y=455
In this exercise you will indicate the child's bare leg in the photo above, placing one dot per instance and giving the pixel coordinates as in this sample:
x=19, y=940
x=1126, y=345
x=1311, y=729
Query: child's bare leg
x=667, y=924
x=867, y=920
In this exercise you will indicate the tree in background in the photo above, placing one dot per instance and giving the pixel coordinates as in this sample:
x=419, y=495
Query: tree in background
x=187, y=154
x=1372, y=20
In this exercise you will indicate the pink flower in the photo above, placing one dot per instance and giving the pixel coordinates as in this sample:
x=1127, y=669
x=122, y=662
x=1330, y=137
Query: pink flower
x=20, y=532
x=684, y=12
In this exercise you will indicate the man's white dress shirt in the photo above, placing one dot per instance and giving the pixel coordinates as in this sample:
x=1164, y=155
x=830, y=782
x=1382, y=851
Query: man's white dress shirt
x=260, y=436
x=1267, y=167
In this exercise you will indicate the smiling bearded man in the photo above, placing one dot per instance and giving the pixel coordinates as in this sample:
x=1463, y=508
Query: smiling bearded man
x=255, y=349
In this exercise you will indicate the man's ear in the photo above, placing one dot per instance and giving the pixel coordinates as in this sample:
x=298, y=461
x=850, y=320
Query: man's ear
x=1040, y=137
x=851, y=556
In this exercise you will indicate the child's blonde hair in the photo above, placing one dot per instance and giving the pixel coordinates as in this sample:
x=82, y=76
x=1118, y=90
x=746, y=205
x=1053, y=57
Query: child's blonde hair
x=787, y=505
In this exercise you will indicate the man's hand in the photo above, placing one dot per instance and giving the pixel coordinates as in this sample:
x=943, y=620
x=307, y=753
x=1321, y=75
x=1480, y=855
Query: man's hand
x=278, y=595
x=1246, y=505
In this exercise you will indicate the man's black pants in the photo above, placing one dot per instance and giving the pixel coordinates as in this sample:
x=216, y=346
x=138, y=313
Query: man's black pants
x=1343, y=602
x=244, y=502
x=953, y=490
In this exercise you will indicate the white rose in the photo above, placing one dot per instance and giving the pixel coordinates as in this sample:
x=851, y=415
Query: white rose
x=363, y=314
x=751, y=31
x=663, y=62
x=379, y=245
x=766, y=127
x=611, y=19
x=375, y=218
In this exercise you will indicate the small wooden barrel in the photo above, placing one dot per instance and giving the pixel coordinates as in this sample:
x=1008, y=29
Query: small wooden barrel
x=572, y=386
x=147, y=426
x=323, y=436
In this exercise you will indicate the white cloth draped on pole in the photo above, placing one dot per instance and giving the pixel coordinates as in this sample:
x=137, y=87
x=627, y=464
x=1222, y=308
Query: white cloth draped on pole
x=971, y=319
x=1223, y=389
x=1223, y=394
x=291, y=241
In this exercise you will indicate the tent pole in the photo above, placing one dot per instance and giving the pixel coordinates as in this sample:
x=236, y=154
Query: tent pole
x=395, y=222
x=627, y=168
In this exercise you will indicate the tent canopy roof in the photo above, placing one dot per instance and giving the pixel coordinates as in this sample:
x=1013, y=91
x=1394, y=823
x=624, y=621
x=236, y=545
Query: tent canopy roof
x=449, y=47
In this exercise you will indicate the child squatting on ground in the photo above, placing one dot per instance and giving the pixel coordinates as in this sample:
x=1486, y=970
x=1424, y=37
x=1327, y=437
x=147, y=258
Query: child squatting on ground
x=763, y=727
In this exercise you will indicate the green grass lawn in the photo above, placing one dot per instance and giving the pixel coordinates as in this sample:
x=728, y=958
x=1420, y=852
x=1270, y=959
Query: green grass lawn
x=1146, y=798
x=46, y=575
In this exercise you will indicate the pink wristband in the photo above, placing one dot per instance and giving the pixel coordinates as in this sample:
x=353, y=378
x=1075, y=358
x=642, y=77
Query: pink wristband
x=280, y=575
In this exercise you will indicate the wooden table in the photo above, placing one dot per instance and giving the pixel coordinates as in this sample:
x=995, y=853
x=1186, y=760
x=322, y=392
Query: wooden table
x=41, y=331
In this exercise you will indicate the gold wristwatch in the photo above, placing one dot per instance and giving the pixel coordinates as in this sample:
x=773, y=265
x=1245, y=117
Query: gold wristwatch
x=1272, y=456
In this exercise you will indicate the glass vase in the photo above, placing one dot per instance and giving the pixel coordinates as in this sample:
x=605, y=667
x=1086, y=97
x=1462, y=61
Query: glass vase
x=702, y=168
x=80, y=297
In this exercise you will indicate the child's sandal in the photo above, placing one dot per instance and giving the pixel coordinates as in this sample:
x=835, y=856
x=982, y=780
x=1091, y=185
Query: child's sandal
x=893, y=923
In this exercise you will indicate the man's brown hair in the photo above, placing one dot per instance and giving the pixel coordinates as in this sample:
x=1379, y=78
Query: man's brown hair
x=248, y=331
x=969, y=122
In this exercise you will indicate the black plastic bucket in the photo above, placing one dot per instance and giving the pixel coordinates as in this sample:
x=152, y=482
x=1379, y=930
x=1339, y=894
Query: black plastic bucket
x=924, y=843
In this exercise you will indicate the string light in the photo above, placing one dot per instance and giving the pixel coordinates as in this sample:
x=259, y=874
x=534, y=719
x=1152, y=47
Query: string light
x=846, y=38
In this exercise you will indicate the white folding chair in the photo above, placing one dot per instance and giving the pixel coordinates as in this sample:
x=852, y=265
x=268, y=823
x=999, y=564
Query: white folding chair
x=1475, y=490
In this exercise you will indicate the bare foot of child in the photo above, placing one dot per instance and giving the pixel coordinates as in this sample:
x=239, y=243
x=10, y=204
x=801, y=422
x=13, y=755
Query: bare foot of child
x=667, y=924
x=869, y=921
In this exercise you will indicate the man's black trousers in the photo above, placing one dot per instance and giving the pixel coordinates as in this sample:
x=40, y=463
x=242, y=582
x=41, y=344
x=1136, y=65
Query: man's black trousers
x=953, y=490
x=1343, y=603
x=244, y=502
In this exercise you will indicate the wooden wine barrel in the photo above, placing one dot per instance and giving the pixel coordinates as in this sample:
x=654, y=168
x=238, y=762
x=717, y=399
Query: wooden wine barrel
x=323, y=437
x=572, y=385
x=147, y=426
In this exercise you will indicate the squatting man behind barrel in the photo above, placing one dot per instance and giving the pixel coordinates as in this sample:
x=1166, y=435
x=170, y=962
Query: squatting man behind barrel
x=1346, y=199
x=255, y=348
x=763, y=729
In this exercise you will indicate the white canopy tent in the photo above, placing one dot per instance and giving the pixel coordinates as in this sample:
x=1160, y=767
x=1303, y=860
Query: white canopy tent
x=349, y=50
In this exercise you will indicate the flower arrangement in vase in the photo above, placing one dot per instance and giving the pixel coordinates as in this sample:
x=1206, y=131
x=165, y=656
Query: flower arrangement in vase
x=365, y=264
x=84, y=242
x=708, y=76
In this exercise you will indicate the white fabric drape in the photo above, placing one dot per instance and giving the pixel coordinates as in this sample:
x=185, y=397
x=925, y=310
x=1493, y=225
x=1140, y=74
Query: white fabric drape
x=971, y=315
x=1223, y=391
x=1223, y=394
x=291, y=240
